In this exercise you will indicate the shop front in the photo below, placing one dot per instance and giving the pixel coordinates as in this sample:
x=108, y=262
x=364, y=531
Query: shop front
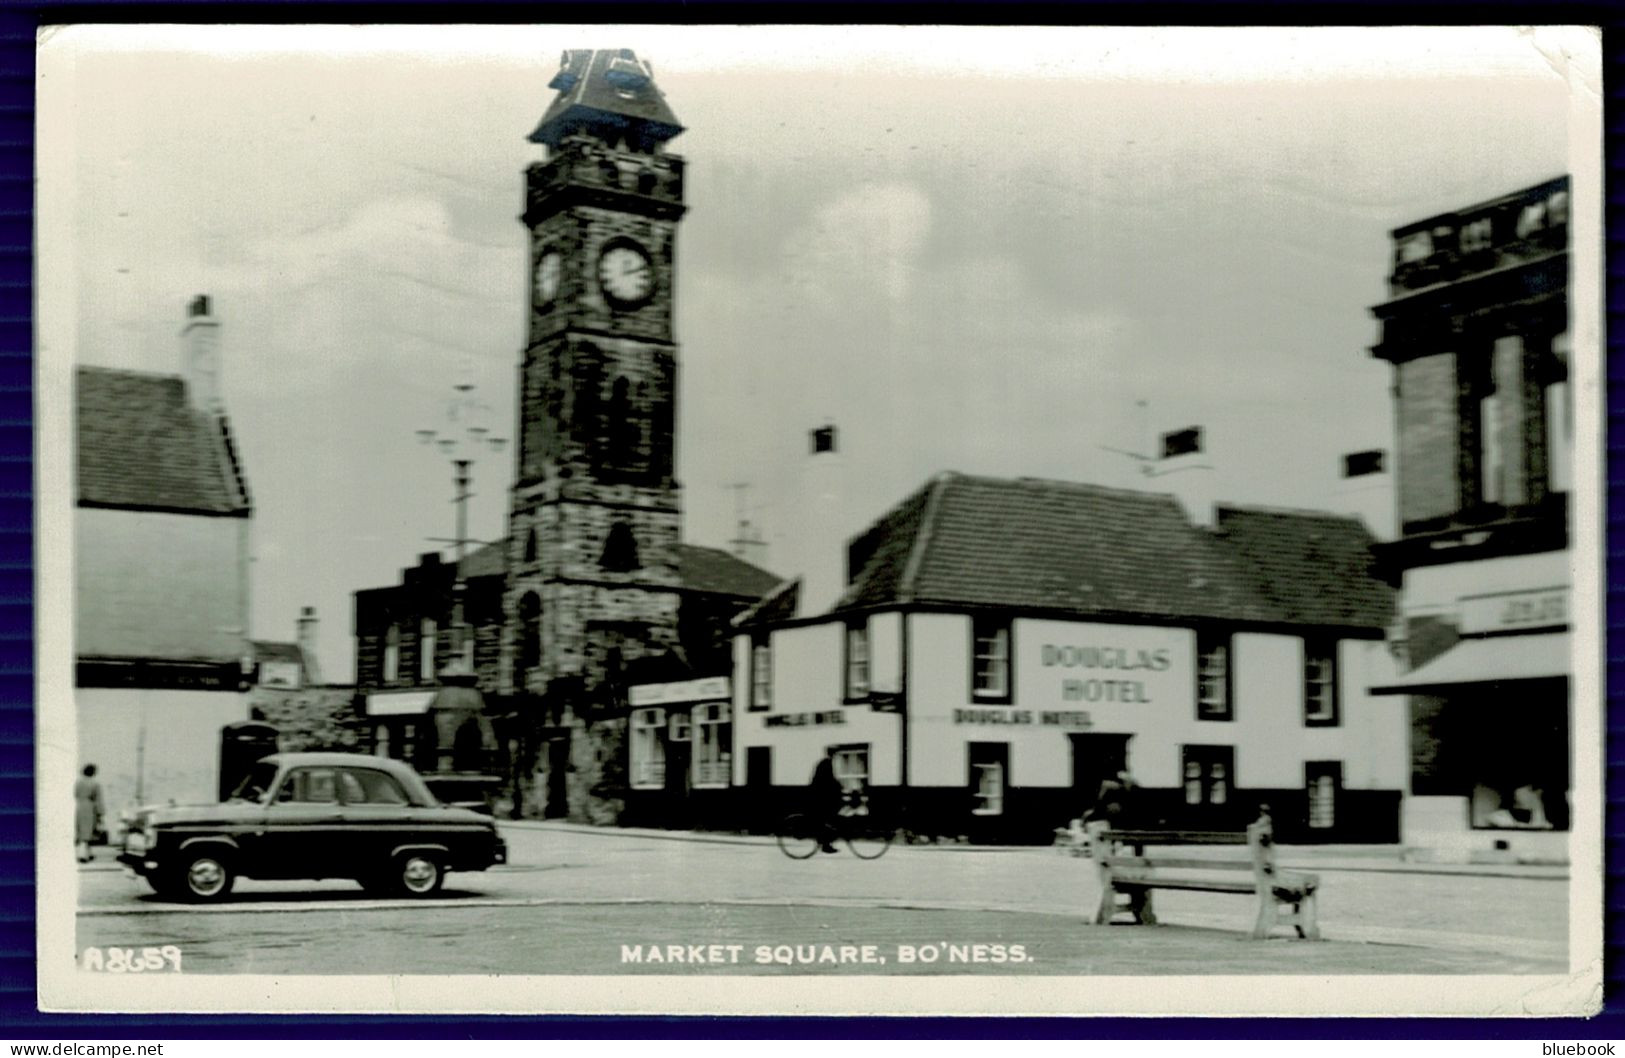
x=679, y=753
x=1491, y=740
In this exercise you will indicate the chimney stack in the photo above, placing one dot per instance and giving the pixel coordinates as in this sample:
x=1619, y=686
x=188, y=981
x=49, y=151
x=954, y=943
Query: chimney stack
x=823, y=545
x=200, y=356
x=307, y=645
x=1365, y=490
x=1182, y=458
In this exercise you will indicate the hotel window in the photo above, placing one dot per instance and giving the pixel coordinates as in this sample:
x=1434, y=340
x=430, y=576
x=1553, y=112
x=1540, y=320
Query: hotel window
x=761, y=673
x=648, y=749
x=857, y=662
x=1210, y=774
x=392, y=654
x=1213, y=677
x=988, y=763
x=852, y=767
x=990, y=660
x=1319, y=683
x=1322, y=778
x=711, y=742
x=426, y=645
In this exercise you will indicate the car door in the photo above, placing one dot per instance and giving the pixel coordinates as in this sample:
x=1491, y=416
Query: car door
x=378, y=817
x=303, y=831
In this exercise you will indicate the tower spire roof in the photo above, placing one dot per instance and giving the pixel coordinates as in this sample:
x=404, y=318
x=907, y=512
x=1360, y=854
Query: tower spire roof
x=608, y=92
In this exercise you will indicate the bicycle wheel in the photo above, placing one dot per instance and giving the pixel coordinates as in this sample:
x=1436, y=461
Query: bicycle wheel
x=798, y=836
x=868, y=840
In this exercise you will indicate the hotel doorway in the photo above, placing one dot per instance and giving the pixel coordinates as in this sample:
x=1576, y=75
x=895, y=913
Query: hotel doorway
x=1095, y=758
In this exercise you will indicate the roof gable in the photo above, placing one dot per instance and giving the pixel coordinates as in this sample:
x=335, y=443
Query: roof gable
x=142, y=445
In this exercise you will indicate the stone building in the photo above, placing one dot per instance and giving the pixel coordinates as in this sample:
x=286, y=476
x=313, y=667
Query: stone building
x=289, y=693
x=1477, y=328
x=162, y=525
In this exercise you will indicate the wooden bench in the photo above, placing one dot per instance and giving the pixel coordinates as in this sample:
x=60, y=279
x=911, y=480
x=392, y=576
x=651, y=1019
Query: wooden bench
x=1128, y=875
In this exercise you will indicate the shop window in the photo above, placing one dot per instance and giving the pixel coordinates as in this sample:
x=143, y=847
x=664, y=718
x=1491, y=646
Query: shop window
x=426, y=644
x=648, y=749
x=1213, y=677
x=989, y=765
x=857, y=662
x=392, y=654
x=711, y=741
x=990, y=660
x=1322, y=779
x=1515, y=756
x=1209, y=774
x=852, y=767
x=761, y=672
x=1319, y=683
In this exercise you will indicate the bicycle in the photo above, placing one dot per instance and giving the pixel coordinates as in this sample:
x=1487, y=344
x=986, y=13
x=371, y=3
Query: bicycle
x=801, y=835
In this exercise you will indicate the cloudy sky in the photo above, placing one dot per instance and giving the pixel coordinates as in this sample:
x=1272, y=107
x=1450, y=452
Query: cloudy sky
x=972, y=249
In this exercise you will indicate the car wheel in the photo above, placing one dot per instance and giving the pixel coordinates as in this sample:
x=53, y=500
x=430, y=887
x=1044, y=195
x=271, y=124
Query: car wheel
x=418, y=874
x=202, y=878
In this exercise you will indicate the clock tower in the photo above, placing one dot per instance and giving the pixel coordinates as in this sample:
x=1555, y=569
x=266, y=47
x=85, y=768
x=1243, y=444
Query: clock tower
x=594, y=517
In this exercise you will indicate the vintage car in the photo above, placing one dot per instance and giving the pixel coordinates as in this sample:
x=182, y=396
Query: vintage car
x=313, y=815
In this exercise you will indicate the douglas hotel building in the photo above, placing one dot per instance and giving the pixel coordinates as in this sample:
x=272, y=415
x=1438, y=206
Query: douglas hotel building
x=997, y=647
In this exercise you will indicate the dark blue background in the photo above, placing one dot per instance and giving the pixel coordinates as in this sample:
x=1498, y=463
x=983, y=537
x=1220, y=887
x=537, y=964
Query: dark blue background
x=20, y=1018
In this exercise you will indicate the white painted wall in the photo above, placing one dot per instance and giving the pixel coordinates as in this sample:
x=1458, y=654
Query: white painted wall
x=172, y=737
x=807, y=680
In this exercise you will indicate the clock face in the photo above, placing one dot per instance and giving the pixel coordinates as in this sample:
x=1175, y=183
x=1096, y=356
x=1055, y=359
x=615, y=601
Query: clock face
x=625, y=274
x=547, y=277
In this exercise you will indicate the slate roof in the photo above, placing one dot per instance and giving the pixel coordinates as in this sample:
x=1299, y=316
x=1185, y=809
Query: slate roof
x=1064, y=547
x=142, y=445
x=588, y=98
x=485, y=561
x=715, y=572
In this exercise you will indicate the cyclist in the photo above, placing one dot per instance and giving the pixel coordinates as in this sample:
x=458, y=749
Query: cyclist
x=826, y=797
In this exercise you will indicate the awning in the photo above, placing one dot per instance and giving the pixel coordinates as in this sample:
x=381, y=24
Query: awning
x=399, y=703
x=1500, y=658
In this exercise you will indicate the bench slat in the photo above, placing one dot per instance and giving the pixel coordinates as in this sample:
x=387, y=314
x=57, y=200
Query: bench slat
x=1175, y=837
x=1210, y=885
x=1149, y=863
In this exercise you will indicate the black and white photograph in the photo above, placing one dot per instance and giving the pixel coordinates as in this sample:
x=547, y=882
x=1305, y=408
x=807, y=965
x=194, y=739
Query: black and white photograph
x=819, y=519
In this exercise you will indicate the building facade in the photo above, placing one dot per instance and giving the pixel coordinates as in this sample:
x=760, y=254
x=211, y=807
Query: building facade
x=162, y=526
x=1003, y=646
x=289, y=692
x=1476, y=326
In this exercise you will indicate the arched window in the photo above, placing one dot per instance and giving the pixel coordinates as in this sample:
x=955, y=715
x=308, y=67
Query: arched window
x=392, y=654
x=530, y=545
x=620, y=550
x=530, y=633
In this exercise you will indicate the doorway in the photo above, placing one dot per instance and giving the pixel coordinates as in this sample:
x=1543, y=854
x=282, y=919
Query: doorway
x=1095, y=758
x=558, y=767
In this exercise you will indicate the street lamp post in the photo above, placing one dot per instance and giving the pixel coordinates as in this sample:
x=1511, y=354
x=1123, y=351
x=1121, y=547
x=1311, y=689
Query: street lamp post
x=462, y=439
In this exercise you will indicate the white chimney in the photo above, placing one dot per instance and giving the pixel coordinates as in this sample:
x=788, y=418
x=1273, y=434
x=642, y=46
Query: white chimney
x=1183, y=468
x=1365, y=490
x=307, y=645
x=823, y=542
x=200, y=356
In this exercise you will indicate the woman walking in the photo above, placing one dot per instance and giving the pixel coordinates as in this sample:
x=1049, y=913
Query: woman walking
x=87, y=811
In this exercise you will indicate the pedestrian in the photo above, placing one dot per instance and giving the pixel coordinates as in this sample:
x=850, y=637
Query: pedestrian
x=827, y=796
x=1114, y=803
x=87, y=811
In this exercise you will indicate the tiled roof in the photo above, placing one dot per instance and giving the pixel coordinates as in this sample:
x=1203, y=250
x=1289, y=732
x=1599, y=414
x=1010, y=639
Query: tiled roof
x=716, y=572
x=265, y=650
x=1312, y=567
x=141, y=444
x=777, y=605
x=1103, y=552
x=485, y=561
